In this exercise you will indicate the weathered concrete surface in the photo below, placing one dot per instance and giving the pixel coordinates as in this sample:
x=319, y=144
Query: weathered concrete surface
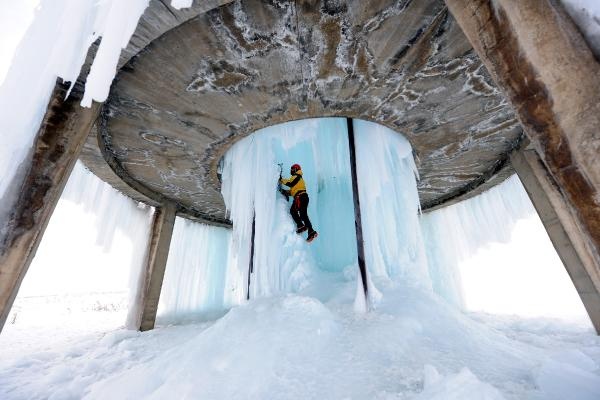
x=154, y=272
x=568, y=240
x=188, y=96
x=540, y=60
x=57, y=146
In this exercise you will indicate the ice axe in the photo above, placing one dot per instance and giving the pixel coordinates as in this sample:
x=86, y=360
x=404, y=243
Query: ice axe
x=279, y=186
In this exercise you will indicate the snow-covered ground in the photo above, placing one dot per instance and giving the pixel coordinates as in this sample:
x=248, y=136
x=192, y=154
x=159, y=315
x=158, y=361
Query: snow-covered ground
x=65, y=338
x=413, y=346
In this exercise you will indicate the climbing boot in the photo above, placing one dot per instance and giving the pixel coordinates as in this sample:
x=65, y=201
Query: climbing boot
x=312, y=236
x=301, y=229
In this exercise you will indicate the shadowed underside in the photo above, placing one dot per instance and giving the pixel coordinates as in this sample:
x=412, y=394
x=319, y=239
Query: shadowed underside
x=177, y=106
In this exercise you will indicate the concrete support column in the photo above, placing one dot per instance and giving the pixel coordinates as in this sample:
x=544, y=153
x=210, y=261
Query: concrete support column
x=536, y=54
x=154, y=271
x=58, y=143
x=568, y=240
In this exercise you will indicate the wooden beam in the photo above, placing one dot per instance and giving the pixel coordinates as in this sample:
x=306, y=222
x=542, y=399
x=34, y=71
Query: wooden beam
x=360, y=248
x=567, y=238
x=154, y=272
x=58, y=143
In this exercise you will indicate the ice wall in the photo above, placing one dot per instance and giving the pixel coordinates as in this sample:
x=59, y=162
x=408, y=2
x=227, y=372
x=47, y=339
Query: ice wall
x=454, y=233
x=389, y=203
x=400, y=245
x=96, y=241
x=194, y=281
x=283, y=261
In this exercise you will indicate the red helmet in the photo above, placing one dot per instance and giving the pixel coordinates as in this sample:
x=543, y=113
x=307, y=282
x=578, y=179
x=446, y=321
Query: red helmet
x=295, y=168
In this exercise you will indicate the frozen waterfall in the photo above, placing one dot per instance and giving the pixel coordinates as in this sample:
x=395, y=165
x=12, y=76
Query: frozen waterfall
x=208, y=268
x=283, y=261
x=95, y=243
x=194, y=281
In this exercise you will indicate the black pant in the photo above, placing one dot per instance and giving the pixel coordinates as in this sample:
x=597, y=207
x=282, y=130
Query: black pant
x=299, y=211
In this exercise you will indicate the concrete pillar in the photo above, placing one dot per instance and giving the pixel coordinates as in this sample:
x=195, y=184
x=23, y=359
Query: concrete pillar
x=58, y=143
x=537, y=56
x=154, y=271
x=568, y=240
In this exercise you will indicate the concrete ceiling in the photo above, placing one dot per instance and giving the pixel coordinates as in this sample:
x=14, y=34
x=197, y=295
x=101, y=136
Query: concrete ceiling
x=181, y=102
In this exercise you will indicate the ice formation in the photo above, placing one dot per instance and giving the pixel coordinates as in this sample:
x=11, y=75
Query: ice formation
x=389, y=205
x=105, y=245
x=283, y=261
x=400, y=245
x=194, y=281
x=55, y=45
x=454, y=233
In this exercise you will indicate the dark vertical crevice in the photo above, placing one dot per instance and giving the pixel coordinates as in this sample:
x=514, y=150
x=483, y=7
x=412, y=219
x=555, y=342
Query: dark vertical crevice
x=251, y=262
x=360, y=248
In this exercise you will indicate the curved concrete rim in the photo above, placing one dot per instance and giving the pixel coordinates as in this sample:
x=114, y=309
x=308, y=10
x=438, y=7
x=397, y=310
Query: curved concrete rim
x=500, y=171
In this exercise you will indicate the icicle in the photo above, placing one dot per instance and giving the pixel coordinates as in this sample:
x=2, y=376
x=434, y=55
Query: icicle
x=283, y=261
x=194, y=282
x=360, y=300
x=389, y=205
x=454, y=233
x=91, y=210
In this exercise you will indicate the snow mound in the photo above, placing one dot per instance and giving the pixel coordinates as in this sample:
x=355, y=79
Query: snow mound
x=461, y=386
x=569, y=375
x=260, y=344
x=413, y=346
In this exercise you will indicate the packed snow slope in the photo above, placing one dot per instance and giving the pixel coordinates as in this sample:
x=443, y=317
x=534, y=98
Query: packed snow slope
x=413, y=346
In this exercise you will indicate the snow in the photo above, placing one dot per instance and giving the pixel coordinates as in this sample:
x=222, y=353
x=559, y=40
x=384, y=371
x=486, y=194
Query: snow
x=298, y=346
x=43, y=40
x=117, y=22
x=586, y=14
x=179, y=4
x=461, y=385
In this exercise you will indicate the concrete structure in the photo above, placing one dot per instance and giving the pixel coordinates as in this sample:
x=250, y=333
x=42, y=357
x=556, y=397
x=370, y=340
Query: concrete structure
x=246, y=65
x=193, y=82
x=55, y=151
x=562, y=229
x=154, y=272
x=557, y=100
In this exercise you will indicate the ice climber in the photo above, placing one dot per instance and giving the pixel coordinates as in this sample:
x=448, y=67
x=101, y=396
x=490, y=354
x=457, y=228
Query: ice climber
x=299, y=208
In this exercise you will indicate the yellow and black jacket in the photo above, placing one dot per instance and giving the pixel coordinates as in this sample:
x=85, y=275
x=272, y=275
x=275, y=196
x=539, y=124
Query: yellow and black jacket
x=295, y=183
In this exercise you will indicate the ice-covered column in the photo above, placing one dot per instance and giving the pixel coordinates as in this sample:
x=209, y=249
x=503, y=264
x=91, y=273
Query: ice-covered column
x=25, y=216
x=151, y=280
x=562, y=229
x=538, y=57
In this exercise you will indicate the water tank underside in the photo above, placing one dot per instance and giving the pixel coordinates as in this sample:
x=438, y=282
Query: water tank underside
x=178, y=105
